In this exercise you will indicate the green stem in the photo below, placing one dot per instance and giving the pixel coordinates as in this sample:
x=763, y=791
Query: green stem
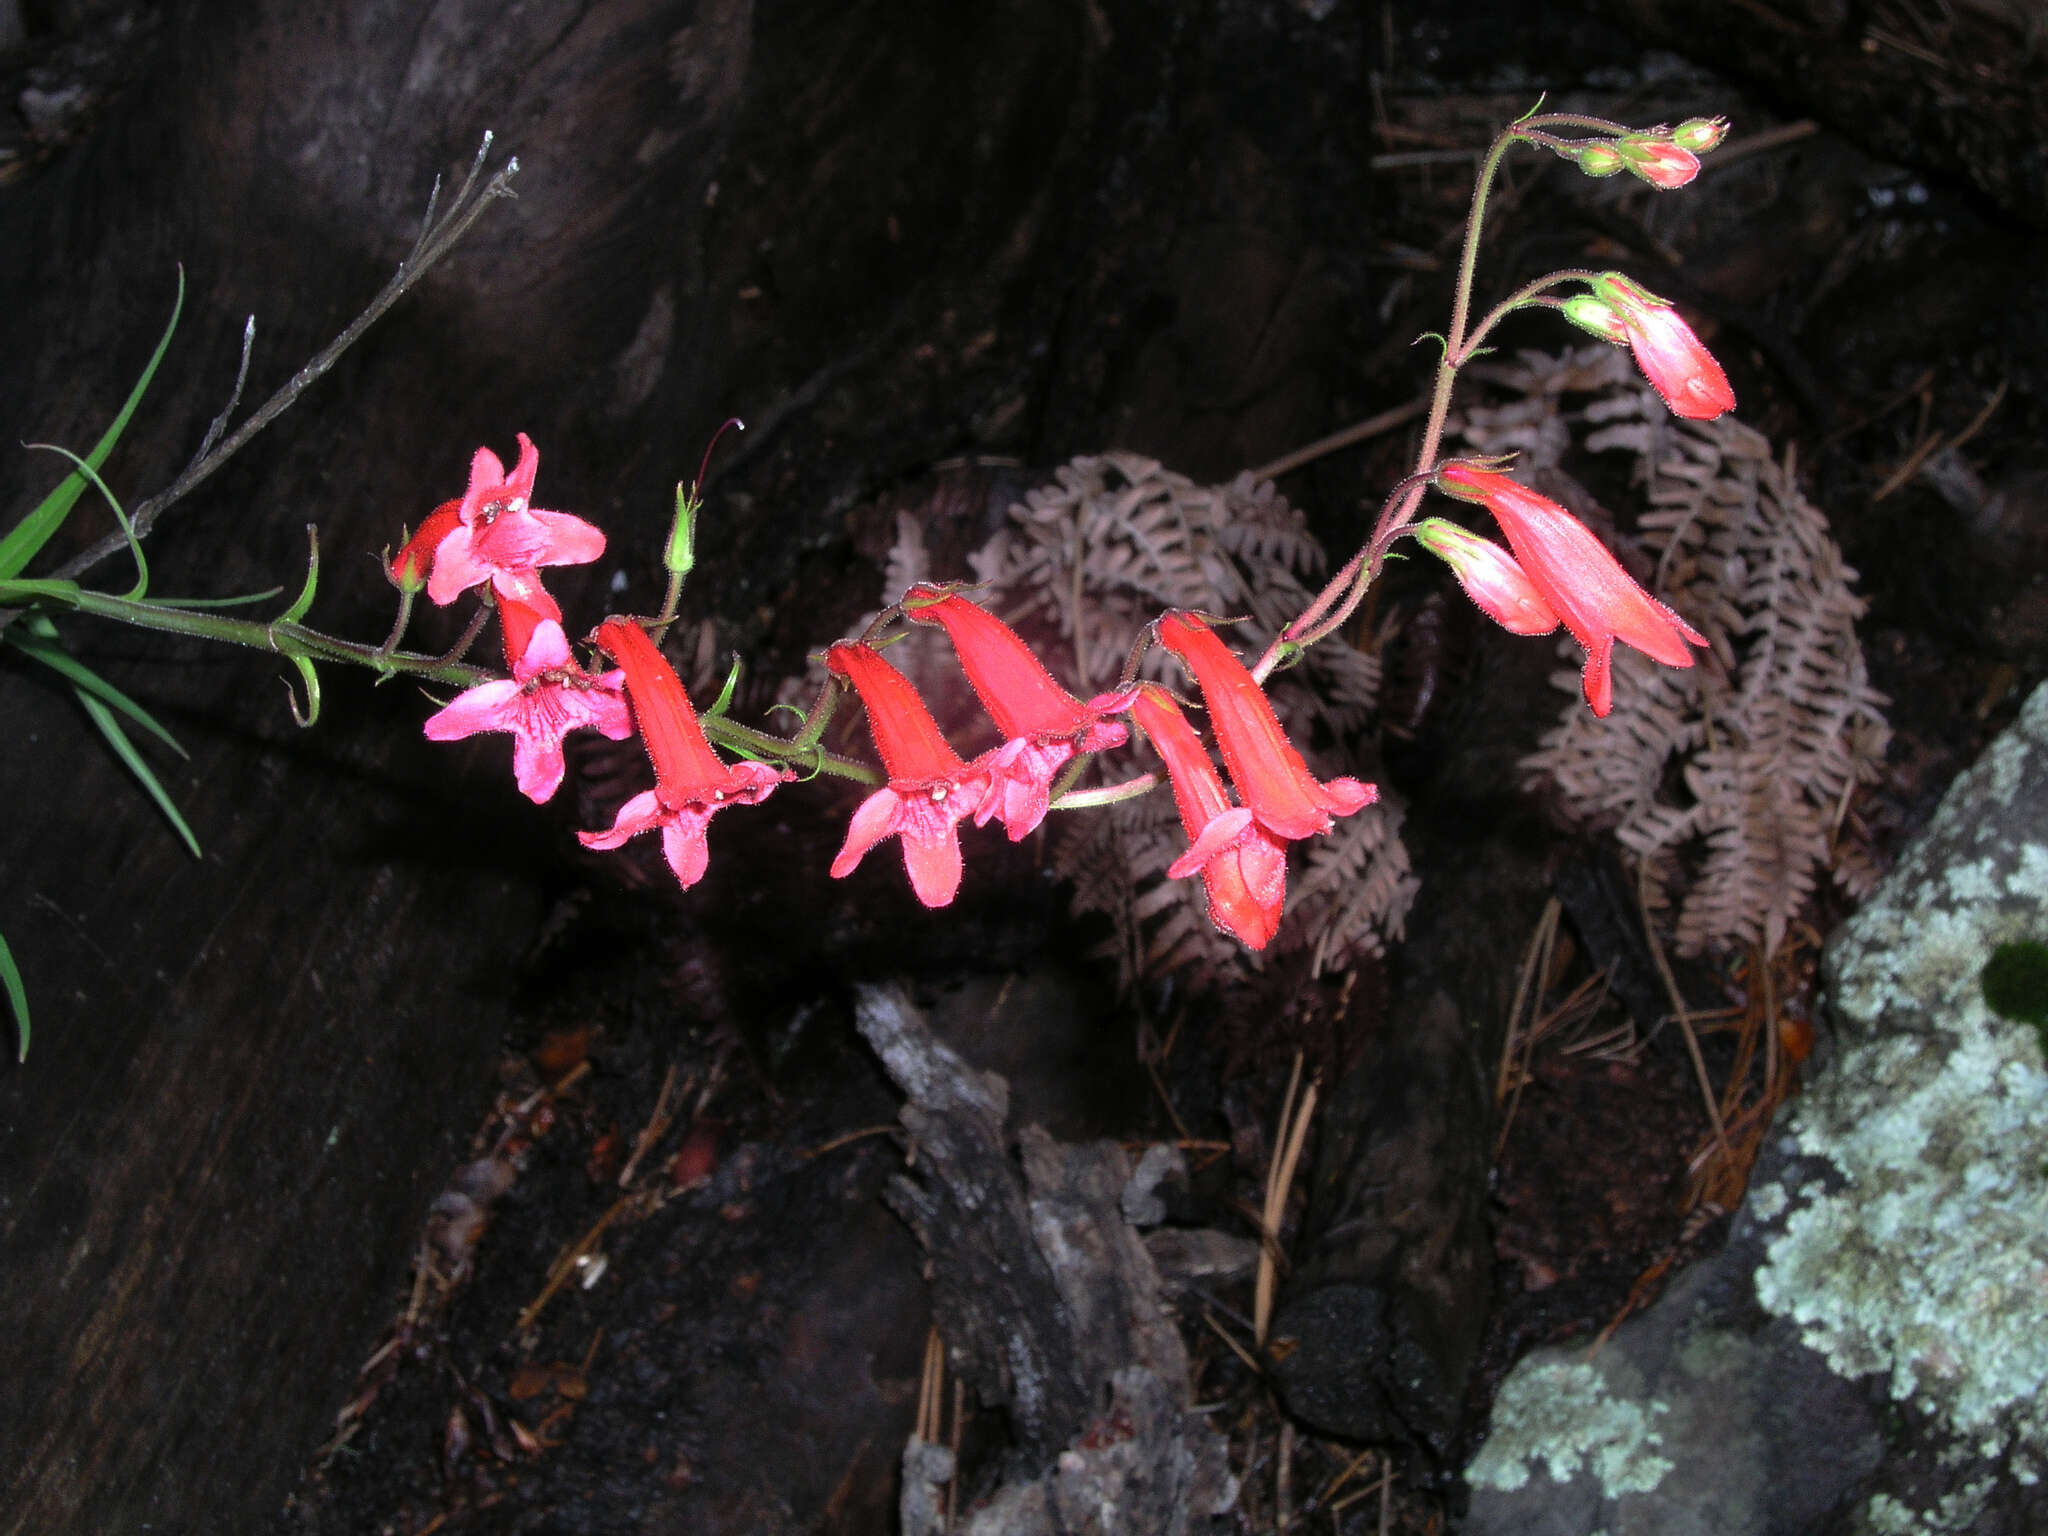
x=1398, y=511
x=797, y=752
x=279, y=637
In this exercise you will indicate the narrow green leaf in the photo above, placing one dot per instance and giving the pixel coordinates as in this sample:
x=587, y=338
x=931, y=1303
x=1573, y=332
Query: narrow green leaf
x=127, y=529
x=312, y=681
x=724, y=700
x=17, y=996
x=26, y=539
x=79, y=675
x=125, y=750
x=304, y=600
x=219, y=602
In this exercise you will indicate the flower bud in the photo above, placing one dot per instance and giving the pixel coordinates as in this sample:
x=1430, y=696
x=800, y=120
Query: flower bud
x=1491, y=578
x=1596, y=316
x=1700, y=134
x=1598, y=158
x=408, y=571
x=1656, y=159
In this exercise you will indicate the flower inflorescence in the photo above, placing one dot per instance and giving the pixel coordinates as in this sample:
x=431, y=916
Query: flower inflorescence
x=1239, y=823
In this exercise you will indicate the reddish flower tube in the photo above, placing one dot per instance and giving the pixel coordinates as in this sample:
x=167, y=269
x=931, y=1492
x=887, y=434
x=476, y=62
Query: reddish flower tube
x=1271, y=778
x=1045, y=726
x=1582, y=582
x=691, y=783
x=1242, y=865
x=930, y=790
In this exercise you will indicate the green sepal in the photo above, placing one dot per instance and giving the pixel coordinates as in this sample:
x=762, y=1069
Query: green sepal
x=26, y=539
x=17, y=997
x=124, y=749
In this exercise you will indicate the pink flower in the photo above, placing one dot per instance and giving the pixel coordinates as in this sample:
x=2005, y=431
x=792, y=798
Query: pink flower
x=1657, y=160
x=691, y=784
x=1243, y=866
x=929, y=791
x=1585, y=585
x=546, y=698
x=1271, y=779
x=1045, y=725
x=1670, y=355
x=1490, y=577
x=501, y=538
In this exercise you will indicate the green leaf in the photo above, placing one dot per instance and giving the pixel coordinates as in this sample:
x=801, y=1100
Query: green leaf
x=219, y=602
x=127, y=529
x=311, y=713
x=304, y=600
x=125, y=750
x=724, y=700
x=79, y=675
x=26, y=539
x=17, y=996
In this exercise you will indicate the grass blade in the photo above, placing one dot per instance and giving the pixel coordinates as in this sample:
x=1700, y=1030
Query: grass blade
x=144, y=774
x=25, y=540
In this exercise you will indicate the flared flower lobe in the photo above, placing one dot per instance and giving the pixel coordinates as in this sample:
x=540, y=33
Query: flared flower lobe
x=930, y=790
x=691, y=783
x=501, y=537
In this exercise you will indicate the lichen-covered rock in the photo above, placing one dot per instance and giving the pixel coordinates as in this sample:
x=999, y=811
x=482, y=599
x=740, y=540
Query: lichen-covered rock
x=1869, y=1353
x=1921, y=1252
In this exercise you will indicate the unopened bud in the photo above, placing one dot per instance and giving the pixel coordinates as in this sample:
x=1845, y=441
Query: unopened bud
x=680, y=557
x=1657, y=160
x=1596, y=316
x=1700, y=134
x=415, y=560
x=1598, y=158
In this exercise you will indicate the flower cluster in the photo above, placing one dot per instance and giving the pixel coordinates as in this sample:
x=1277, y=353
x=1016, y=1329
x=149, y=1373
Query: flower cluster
x=1239, y=848
x=1239, y=822
x=495, y=536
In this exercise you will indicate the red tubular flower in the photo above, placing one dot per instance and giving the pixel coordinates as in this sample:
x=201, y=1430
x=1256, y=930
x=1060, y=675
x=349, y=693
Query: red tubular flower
x=1243, y=866
x=1271, y=779
x=1657, y=160
x=502, y=538
x=408, y=571
x=1490, y=577
x=1045, y=725
x=1584, y=584
x=1670, y=355
x=691, y=784
x=546, y=698
x=929, y=790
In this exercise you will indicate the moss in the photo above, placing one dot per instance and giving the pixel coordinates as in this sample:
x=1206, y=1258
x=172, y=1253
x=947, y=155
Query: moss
x=2015, y=983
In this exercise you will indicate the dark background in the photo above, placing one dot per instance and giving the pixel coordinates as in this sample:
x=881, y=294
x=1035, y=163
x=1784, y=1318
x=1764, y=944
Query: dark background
x=889, y=236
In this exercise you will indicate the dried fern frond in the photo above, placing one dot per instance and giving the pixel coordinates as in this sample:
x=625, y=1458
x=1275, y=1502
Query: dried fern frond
x=1097, y=555
x=1748, y=759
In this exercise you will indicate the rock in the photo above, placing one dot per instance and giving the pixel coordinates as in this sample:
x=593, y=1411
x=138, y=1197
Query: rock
x=1869, y=1351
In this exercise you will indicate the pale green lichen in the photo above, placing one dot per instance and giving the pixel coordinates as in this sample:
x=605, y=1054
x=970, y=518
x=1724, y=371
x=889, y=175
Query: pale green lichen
x=1767, y=1200
x=1956, y=1511
x=1927, y=1261
x=1561, y=1413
